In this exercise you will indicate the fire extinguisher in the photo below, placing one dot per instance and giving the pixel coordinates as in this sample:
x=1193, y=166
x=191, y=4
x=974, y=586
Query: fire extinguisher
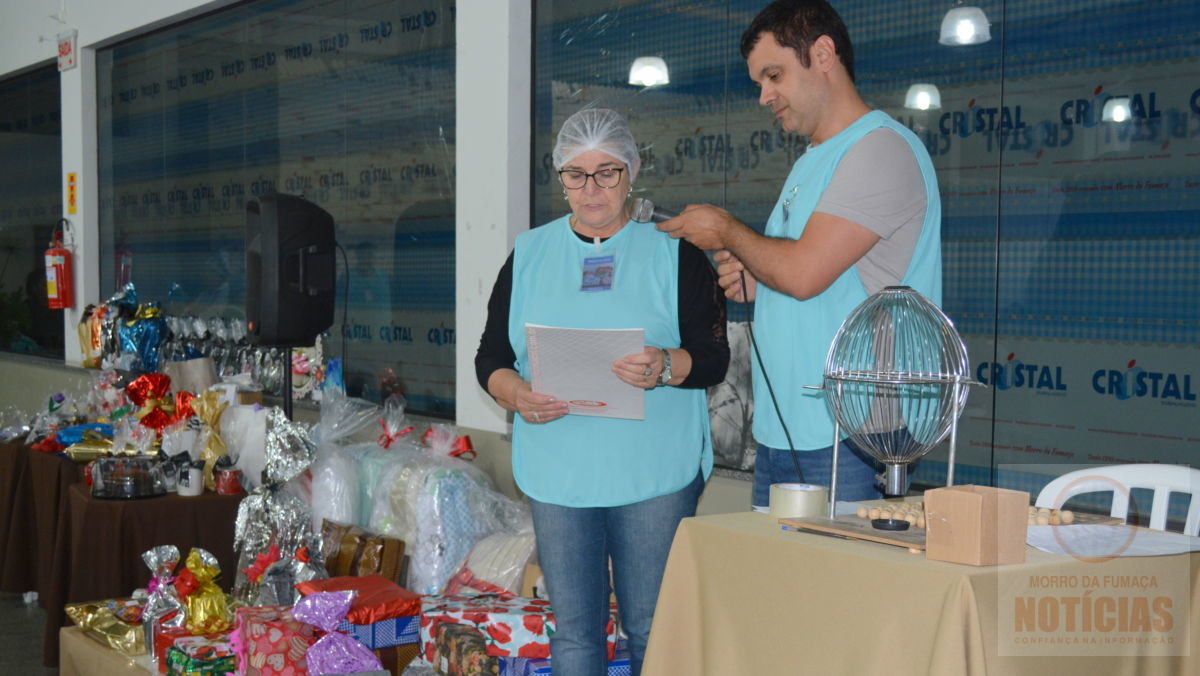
x=60, y=287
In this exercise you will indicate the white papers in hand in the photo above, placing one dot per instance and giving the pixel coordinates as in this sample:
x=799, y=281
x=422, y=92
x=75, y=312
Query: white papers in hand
x=575, y=366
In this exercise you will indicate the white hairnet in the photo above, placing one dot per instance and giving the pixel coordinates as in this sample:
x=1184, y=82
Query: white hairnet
x=597, y=129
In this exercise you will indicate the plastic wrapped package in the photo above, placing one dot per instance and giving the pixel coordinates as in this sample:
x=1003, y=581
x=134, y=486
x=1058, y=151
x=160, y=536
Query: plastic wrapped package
x=180, y=438
x=495, y=565
x=106, y=398
x=244, y=429
x=129, y=436
x=14, y=423
x=392, y=421
x=390, y=515
x=373, y=463
x=335, y=475
x=440, y=507
x=335, y=486
x=342, y=417
x=396, y=438
x=49, y=420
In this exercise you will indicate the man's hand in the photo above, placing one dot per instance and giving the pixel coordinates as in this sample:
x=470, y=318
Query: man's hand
x=730, y=272
x=704, y=225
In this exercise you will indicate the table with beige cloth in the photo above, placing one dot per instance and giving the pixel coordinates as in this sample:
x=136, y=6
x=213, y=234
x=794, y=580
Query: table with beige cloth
x=742, y=596
x=82, y=656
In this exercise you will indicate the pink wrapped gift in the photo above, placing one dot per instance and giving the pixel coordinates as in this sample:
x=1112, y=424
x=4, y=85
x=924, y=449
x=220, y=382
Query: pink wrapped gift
x=511, y=626
x=268, y=641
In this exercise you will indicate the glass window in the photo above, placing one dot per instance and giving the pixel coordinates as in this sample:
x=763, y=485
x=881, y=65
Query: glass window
x=1066, y=155
x=30, y=208
x=348, y=104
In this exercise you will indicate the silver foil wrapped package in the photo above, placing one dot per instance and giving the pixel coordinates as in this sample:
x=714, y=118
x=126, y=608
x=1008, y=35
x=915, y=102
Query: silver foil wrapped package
x=162, y=599
x=271, y=515
x=278, y=587
x=290, y=448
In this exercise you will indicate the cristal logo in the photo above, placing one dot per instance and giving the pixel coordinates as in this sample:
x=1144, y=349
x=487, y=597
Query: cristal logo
x=1014, y=374
x=980, y=120
x=1136, y=382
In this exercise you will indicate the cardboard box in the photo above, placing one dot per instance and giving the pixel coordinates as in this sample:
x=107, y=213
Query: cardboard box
x=350, y=550
x=249, y=397
x=530, y=581
x=976, y=525
x=395, y=659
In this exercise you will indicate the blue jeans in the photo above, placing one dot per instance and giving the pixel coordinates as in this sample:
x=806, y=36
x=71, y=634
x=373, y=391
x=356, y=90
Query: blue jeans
x=856, y=472
x=574, y=547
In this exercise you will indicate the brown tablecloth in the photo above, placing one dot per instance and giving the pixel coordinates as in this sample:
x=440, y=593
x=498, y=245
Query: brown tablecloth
x=16, y=570
x=33, y=493
x=99, y=546
x=741, y=596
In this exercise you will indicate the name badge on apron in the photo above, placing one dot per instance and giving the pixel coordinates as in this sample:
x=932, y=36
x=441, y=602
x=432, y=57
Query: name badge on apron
x=597, y=273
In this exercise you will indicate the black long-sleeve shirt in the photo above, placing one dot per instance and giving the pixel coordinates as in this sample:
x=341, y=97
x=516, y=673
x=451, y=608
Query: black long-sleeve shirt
x=701, y=322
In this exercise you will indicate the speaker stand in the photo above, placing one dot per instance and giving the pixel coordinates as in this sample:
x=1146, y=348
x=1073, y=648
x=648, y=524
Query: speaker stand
x=287, y=382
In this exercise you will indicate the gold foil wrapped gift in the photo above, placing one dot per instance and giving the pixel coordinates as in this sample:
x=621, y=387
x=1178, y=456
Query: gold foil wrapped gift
x=207, y=610
x=92, y=446
x=208, y=408
x=101, y=621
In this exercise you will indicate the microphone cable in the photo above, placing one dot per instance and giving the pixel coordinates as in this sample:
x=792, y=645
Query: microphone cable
x=770, y=390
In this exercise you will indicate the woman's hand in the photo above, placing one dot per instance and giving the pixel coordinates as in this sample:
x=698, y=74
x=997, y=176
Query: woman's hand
x=516, y=394
x=641, y=369
x=536, y=407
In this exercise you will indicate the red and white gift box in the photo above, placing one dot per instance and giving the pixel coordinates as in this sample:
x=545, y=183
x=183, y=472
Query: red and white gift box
x=270, y=642
x=511, y=626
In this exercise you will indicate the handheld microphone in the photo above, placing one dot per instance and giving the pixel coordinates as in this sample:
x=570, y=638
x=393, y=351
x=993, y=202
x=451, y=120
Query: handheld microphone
x=644, y=211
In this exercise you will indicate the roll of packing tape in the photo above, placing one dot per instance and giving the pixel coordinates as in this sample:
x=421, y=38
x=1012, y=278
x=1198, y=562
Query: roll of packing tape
x=790, y=501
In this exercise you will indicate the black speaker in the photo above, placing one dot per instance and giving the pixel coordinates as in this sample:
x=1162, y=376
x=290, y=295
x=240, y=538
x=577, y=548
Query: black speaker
x=290, y=271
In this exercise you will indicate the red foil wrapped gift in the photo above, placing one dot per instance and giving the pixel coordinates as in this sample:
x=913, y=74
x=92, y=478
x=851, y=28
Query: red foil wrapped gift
x=150, y=394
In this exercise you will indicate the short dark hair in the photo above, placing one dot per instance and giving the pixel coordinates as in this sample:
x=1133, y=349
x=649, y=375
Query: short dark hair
x=798, y=24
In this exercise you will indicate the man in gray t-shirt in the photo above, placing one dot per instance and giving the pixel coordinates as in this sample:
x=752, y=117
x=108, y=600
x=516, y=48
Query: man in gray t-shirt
x=868, y=217
x=878, y=186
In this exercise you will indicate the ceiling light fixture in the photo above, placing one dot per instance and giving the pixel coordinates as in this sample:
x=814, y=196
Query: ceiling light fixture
x=1116, y=109
x=649, y=71
x=923, y=96
x=965, y=25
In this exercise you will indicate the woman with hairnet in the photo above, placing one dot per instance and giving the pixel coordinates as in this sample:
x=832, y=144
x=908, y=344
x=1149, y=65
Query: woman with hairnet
x=606, y=489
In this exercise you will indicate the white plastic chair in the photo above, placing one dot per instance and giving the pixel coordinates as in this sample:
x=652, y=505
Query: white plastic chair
x=1162, y=479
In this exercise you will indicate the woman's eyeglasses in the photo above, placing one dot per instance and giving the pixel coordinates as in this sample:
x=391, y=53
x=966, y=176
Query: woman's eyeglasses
x=605, y=178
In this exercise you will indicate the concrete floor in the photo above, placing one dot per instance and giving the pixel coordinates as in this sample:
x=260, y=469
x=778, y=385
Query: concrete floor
x=21, y=638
